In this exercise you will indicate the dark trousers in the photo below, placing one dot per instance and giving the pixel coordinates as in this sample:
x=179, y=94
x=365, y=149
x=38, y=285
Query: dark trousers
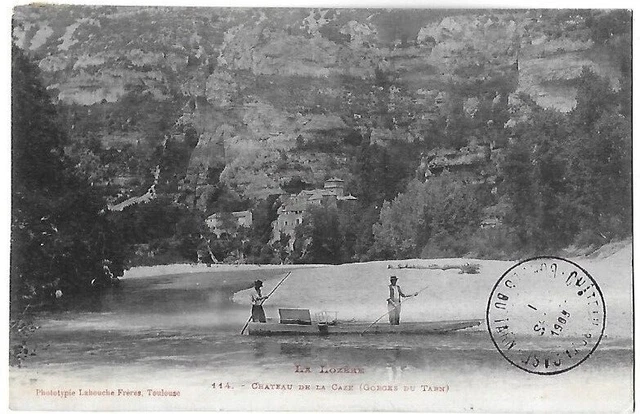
x=394, y=313
x=257, y=314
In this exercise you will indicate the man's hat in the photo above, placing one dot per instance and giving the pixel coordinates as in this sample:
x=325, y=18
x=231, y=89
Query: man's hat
x=257, y=283
x=393, y=278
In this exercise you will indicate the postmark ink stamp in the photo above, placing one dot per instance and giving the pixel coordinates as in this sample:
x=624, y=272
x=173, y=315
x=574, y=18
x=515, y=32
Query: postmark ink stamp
x=546, y=315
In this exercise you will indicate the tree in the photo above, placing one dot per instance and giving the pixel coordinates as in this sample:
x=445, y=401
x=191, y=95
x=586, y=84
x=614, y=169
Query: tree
x=594, y=97
x=600, y=159
x=60, y=229
x=380, y=173
x=568, y=177
x=37, y=141
x=318, y=238
x=601, y=174
x=362, y=228
x=189, y=231
x=396, y=233
x=265, y=213
x=535, y=179
x=281, y=248
x=452, y=216
x=441, y=211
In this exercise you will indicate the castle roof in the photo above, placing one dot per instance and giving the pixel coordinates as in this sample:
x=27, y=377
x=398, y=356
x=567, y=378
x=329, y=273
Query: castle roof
x=347, y=197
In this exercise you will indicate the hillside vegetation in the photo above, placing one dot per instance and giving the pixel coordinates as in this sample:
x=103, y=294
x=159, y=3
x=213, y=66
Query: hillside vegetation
x=489, y=133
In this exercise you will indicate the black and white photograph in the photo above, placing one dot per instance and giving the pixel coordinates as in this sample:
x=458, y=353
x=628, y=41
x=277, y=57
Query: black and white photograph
x=320, y=209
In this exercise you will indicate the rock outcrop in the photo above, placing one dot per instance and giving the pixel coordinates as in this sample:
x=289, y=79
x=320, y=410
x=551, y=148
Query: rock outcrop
x=277, y=93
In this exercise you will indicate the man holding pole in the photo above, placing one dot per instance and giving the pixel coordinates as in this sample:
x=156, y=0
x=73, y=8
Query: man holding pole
x=257, y=312
x=393, y=303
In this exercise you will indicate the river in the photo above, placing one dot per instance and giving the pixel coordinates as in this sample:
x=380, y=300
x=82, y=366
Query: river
x=179, y=333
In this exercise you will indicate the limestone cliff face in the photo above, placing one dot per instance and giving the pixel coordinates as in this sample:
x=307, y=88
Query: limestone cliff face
x=276, y=93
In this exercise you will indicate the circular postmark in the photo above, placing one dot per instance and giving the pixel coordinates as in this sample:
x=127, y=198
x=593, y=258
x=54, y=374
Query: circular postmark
x=546, y=315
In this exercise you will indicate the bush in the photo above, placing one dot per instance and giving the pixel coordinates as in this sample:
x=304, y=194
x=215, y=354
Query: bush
x=497, y=243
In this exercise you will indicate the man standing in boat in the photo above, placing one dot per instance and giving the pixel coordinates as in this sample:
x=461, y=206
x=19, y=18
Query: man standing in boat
x=257, y=312
x=393, y=303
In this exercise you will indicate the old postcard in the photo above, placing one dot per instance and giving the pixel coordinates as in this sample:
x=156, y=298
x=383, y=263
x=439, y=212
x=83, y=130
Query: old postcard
x=317, y=209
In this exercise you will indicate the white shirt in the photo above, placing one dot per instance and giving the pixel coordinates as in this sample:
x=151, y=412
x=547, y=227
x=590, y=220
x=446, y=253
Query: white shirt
x=395, y=293
x=257, y=299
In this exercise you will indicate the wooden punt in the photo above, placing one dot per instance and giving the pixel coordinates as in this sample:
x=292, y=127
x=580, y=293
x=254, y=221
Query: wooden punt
x=350, y=328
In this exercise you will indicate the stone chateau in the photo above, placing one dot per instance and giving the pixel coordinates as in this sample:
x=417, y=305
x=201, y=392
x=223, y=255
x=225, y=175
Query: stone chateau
x=293, y=207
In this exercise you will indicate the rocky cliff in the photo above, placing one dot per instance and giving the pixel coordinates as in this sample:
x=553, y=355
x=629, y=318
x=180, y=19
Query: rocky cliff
x=254, y=97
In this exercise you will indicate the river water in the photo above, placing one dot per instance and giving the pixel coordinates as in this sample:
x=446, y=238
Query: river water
x=181, y=334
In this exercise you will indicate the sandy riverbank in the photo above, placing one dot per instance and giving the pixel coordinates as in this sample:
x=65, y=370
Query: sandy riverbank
x=358, y=291
x=185, y=268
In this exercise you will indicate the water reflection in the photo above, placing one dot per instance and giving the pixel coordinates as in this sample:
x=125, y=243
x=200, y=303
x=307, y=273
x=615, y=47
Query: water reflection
x=259, y=350
x=295, y=349
x=394, y=364
x=163, y=322
x=167, y=293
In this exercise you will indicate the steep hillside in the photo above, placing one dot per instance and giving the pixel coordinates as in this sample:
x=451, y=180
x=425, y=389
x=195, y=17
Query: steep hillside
x=254, y=97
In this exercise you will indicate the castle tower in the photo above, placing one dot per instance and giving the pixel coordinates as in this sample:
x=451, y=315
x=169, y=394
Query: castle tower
x=335, y=185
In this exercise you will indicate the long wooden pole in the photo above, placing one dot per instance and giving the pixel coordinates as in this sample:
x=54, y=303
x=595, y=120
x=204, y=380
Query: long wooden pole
x=389, y=311
x=268, y=296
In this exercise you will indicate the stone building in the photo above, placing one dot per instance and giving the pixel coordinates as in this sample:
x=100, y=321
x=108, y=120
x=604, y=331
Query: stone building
x=291, y=212
x=227, y=223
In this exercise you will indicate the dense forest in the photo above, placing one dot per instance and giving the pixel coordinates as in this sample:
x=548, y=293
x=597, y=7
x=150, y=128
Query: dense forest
x=552, y=180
